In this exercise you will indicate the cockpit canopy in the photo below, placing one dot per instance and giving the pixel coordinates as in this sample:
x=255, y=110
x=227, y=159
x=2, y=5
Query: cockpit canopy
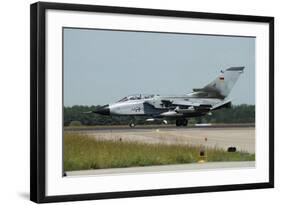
x=136, y=97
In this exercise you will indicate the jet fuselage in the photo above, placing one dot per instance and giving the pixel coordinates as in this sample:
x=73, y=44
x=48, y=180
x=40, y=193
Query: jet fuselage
x=200, y=102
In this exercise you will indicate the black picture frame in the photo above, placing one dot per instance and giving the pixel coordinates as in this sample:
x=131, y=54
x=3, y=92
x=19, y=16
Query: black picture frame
x=38, y=103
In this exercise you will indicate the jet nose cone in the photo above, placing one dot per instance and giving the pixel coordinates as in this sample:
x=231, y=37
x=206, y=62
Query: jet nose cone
x=104, y=110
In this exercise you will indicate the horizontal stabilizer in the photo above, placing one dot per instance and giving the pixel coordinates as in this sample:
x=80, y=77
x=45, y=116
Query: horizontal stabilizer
x=226, y=103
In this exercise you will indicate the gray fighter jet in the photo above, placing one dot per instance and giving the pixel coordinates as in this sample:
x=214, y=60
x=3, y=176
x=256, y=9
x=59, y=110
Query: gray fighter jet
x=200, y=102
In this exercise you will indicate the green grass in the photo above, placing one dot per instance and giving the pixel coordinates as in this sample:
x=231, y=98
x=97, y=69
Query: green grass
x=82, y=153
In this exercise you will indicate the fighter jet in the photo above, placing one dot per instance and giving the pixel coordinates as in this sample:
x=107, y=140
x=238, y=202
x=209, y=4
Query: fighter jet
x=200, y=102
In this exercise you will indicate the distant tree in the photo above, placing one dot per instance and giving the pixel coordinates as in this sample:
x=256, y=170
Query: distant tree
x=75, y=123
x=236, y=114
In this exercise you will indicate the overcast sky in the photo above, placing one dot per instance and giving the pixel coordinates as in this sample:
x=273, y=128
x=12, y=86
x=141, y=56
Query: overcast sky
x=101, y=66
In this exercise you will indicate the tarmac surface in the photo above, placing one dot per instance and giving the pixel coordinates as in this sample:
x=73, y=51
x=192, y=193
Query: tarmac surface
x=164, y=168
x=243, y=138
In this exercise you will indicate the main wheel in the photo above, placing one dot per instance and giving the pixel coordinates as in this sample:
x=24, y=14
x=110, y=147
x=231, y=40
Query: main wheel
x=179, y=122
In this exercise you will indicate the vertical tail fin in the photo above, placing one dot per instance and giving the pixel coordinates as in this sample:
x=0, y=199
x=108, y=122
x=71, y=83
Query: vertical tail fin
x=223, y=84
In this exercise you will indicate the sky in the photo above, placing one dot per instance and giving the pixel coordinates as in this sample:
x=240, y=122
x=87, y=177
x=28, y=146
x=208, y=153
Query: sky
x=102, y=66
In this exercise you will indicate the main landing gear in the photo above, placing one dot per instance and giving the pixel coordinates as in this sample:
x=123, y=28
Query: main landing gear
x=181, y=122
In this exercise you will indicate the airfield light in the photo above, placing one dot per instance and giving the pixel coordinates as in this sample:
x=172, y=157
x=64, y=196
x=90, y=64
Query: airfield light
x=202, y=155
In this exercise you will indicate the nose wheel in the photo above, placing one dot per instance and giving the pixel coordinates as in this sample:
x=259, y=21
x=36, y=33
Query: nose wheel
x=181, y=122
x=132, y=124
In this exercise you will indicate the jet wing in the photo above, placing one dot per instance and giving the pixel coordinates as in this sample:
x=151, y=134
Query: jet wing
x=163, y=104
x=180, y=102
x=184, y=104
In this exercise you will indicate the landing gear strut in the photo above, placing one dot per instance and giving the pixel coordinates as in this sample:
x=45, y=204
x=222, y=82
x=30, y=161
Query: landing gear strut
x=181, y=122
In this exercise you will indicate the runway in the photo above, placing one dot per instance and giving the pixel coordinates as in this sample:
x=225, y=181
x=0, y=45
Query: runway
x=164, y=168
x=149, y=127
x=243, y=138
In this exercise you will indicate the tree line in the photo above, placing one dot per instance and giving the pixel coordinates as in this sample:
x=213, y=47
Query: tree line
x=76, y=115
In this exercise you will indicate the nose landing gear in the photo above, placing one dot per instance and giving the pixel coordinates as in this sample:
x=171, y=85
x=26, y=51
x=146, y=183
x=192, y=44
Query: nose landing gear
x=181, y=122
x=132, y=124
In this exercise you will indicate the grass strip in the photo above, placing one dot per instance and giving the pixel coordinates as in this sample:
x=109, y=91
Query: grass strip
x=83, y=153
